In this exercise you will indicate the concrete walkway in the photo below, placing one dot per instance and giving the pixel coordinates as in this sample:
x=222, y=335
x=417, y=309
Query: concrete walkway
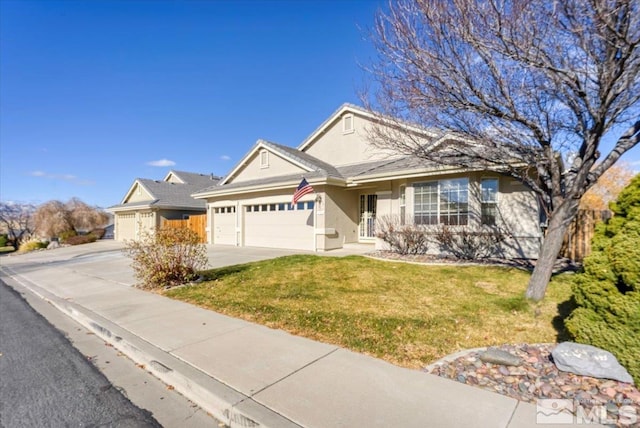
x=242, y=373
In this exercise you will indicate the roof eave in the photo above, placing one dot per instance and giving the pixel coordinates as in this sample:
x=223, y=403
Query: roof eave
x=261, y=188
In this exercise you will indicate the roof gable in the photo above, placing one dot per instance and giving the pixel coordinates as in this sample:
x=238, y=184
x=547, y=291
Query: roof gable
x=137, y=192
x=344, y=138
x=278, y=160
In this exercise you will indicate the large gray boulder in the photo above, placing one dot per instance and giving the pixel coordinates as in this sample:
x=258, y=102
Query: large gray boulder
x=587, y=360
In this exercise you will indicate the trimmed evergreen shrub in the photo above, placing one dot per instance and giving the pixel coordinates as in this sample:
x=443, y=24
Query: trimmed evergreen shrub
x=607, y=293
x=3, y=240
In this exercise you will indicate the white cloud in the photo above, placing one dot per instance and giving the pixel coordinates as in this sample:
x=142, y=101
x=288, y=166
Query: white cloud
x=161, y=162
x=62, y=177
x=225, y=157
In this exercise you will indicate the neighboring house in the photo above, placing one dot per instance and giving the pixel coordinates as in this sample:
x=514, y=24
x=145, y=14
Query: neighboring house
x=355, y=184
x=149, y=202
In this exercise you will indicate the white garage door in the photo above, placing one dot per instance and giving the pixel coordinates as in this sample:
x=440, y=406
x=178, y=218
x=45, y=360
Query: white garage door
x=224, y=225
x=279, y=226
x=125, y=226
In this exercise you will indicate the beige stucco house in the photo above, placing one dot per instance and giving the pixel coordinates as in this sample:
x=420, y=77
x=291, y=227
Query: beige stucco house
x=354, y=184
x=148, y=202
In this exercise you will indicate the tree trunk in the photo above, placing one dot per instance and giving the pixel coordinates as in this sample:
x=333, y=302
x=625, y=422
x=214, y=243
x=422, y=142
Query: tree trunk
x=551, y=245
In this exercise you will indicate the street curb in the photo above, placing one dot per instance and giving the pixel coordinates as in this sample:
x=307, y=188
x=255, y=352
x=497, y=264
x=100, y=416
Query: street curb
x=224, y=403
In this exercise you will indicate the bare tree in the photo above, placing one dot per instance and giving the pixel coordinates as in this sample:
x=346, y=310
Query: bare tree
x=51, y=219
x=85, y=217
x=55, y=217
x=16, y=219
x=518, y=85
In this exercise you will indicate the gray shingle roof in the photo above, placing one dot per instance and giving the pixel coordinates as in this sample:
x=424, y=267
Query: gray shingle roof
x=173, y=195
x=323, y=171
x=304, y=158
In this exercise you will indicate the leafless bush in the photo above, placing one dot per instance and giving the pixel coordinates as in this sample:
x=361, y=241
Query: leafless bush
x=469, y=244
x=168, y=257
x=401, y=238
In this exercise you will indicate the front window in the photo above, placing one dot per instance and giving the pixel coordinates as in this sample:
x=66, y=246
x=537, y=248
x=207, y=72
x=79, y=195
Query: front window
x=442, y=202
x=489, y=200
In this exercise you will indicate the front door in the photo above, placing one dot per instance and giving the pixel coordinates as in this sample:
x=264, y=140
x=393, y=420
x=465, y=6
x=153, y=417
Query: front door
x=368, y=216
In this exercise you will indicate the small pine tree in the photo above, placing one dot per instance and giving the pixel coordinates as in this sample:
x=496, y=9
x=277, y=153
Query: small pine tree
x=607, y=293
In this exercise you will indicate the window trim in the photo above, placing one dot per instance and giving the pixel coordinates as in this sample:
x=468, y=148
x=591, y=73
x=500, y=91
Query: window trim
x=438, y=203
x=402, y=203
x=494, y=203
x=264, y=158
x=345, y=129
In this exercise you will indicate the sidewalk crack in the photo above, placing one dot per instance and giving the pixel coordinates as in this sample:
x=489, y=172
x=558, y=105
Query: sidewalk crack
x=253, y=394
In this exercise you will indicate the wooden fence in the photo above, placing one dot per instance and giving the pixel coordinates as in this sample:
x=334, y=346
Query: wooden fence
x=197, y=223
x=577, y=242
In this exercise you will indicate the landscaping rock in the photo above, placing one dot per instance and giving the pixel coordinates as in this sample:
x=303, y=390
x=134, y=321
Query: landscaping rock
x=542, y=380
x=588, y=360
x=498, y=356
x=53, y=244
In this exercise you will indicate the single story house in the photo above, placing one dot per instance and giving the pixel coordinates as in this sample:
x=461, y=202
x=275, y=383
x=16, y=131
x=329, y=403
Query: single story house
x=354, y=184
x=148, y=203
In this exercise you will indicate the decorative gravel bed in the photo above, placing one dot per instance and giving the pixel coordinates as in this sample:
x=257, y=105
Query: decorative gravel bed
x=561, y=265
x=538, y=378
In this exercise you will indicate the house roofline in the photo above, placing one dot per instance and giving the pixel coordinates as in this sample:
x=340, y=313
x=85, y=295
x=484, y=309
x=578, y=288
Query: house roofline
x=352, y=108
x=139, y=182
x=262, y=144
x=410, y=174
x=276, y=186
x=152, y=207
x=175, y=173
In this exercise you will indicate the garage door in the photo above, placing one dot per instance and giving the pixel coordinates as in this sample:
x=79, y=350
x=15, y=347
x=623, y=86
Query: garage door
x=224, y=225
x=125, y=225
x=280, y=225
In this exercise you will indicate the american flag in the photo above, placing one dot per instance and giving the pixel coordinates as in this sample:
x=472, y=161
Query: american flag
x=303, y=189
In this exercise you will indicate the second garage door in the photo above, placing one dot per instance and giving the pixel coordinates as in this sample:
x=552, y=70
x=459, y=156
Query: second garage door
x=279, y=225
x=224, y=225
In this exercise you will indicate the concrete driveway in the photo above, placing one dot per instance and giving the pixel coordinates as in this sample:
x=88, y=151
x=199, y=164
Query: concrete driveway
x=106, y=260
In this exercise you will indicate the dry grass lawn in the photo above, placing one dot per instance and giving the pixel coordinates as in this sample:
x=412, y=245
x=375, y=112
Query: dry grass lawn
x=407, y=314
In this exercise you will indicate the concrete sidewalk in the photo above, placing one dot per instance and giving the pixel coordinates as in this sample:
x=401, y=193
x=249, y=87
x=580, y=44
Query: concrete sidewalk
x=242, y=373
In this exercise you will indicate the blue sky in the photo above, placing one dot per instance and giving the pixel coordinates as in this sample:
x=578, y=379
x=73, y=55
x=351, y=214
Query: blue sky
x=93, y=92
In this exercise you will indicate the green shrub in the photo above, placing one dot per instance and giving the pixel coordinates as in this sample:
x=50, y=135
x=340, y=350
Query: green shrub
x=3, y=240
x=171, y=256
x=607, y=293
x=63, y=237
x=81, y=239
x=32, y=245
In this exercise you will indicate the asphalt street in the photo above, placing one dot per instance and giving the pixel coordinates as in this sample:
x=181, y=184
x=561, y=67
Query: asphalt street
x=46, y=382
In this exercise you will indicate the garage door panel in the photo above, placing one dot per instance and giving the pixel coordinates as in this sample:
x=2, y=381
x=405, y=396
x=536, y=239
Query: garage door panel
x=126, y=226
x=279, y=229
x=224, y=228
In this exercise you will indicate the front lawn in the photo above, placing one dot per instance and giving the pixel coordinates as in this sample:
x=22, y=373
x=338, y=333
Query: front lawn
x=407, y=314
